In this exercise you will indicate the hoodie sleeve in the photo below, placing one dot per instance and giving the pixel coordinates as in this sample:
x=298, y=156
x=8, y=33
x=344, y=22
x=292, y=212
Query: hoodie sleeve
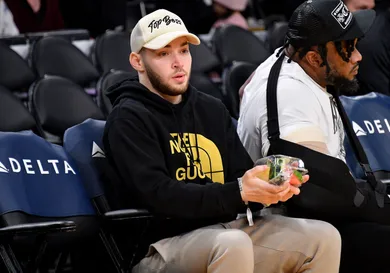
x=138, y=157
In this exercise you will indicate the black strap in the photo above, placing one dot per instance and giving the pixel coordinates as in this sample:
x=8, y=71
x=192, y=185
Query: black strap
x=272, y=102
x=380, y=188
x=274, y=133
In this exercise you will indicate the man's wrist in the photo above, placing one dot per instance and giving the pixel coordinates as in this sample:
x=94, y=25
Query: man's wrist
x=241, y=190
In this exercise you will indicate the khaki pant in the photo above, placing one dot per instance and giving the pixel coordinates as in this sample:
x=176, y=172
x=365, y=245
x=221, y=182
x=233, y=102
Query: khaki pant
x=274, y=244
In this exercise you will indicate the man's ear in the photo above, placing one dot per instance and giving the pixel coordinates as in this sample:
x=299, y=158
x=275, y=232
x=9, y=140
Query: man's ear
x=136, y=62
x=314, y=59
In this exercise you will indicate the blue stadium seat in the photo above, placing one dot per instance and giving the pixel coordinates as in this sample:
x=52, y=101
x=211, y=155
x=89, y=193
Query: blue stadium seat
x=84, y=143
x=41, y=192
x=370, y=117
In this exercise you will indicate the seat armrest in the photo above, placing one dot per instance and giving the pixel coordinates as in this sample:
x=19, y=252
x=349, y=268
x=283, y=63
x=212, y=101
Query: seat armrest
x=40, y=227
x=125, y=214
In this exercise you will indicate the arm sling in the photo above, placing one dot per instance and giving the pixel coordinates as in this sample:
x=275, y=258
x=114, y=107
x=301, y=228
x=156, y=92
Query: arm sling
x=332, y=194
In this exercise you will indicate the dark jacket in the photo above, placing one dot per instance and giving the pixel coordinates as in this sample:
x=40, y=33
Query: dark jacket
x=374, y=69
x=47, y=18
x=179, y=161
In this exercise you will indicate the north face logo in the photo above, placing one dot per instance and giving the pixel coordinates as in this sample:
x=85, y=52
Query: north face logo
x=342, y=15
x=358, y=130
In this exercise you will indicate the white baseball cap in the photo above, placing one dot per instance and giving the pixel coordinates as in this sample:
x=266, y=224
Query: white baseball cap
x=157, y=29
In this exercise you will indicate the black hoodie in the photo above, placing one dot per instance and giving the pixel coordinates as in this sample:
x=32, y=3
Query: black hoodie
x=179, y=161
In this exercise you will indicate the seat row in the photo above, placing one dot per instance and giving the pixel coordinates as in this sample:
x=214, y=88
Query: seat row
x=52, y=198
x=55, y=55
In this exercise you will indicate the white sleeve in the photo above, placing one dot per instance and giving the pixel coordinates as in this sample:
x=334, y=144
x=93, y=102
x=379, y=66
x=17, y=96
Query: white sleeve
x=299, y=112
x=7, y=24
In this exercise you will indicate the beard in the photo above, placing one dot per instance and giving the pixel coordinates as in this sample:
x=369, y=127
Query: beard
x=341, y=83
x=165, y=88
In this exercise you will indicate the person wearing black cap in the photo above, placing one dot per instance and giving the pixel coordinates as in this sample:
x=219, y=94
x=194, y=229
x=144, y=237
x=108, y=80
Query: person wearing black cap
x=320, y=50
x=318, y=61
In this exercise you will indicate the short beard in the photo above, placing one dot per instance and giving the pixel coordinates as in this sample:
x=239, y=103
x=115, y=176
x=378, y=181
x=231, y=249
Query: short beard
x=162, y=87
x=342, y=84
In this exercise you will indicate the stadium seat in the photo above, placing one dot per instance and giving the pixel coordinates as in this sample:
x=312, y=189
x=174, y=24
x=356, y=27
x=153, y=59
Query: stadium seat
x=14, y=116
x=105, y=82
x=276, y=35
x=232, y=43
x=57, y=104
x=203, y=83
x=42, y=198
x=15, y=74
x=235, y=78
x=112, y=51
x=84, y=143
x=56, y=56
x=369, y=115
x=67, y=34
x=203, y=59
x=20, y=39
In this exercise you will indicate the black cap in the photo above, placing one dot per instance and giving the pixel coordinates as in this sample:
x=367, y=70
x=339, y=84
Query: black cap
x=317, y=22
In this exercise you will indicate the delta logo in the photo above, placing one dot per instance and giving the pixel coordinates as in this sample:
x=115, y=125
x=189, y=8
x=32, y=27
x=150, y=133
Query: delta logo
x=371, y=127
x=44, y=167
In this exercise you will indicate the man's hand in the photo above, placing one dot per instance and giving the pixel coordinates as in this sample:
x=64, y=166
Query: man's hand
x=294, y=187
x=259, y=191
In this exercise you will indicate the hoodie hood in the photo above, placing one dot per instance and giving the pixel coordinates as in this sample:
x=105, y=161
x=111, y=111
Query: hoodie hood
x=132, y=88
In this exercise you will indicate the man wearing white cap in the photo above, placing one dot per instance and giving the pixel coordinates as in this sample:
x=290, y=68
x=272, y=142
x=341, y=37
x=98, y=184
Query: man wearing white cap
x=176, y=153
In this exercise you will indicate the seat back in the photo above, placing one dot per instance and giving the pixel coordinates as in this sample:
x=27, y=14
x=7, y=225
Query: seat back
x=15, y=74
x=235, y=78
x=370, y=117
x=67, y=34
x=203, y=59
x=112, y=51
x=53, y=55
x=201, y=82
x=105, y=82
x=38, y=179
x=276, y=35
x=84, y=142
x=232, y=43
x=58, y=104
x=14, y=116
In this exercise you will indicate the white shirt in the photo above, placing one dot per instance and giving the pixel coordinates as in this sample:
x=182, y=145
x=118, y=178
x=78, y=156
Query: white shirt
x=304, y=109
x=7, y=25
